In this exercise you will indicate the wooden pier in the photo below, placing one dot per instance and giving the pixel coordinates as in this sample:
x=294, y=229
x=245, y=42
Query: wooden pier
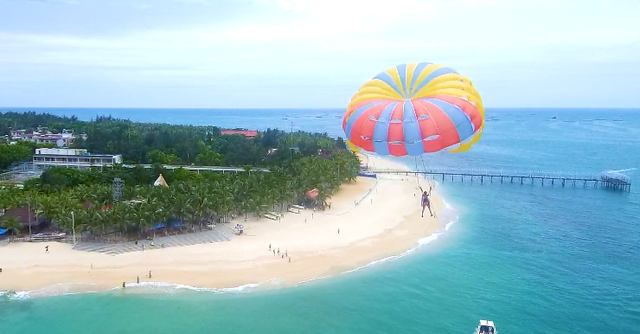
x=542, y=178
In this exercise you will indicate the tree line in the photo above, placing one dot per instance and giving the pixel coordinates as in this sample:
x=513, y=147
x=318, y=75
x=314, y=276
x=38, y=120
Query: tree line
x=191, y=198
x=296, y=162
x=149, y=143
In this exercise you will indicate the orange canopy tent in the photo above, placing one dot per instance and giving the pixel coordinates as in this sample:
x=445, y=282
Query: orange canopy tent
x=313, y=193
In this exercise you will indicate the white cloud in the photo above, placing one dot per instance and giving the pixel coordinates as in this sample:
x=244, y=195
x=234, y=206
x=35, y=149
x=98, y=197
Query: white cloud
x=332, y=43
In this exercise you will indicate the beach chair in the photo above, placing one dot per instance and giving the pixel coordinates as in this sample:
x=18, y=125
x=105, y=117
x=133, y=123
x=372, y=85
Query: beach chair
x=299, y=207
x=270, y=216
x=294, y=210
x=275, y=214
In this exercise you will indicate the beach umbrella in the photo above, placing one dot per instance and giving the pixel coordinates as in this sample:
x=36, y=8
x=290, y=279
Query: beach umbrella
x=413, y=109
x=313, y=193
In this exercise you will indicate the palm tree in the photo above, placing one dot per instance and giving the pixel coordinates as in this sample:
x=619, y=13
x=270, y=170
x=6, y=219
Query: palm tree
x=193, y=199
x=95, y=224
x=12, y=224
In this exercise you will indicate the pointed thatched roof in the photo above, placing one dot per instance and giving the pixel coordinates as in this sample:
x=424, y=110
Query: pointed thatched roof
x=160, y=181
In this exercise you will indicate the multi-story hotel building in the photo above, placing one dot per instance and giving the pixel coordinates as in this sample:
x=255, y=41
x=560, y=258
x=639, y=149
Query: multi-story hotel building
x=73, y=158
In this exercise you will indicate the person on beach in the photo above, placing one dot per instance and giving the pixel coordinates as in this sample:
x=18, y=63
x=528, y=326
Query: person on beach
x=46, y=249
x=425, y=201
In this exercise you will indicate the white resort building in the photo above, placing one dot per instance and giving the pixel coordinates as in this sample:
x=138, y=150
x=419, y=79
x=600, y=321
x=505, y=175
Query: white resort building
x=63, y=139
x=72, y=158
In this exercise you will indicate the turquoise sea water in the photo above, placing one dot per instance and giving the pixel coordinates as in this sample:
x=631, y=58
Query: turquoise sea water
x=533, y=259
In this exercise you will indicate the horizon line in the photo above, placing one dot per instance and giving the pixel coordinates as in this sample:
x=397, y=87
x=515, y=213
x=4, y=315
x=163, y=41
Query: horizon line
x=2, y=108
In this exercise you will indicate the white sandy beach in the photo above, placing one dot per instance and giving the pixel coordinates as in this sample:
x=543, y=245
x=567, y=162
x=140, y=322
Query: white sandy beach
x=387, y=222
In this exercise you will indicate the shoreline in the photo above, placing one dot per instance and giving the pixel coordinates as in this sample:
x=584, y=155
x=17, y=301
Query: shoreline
x=386, y=224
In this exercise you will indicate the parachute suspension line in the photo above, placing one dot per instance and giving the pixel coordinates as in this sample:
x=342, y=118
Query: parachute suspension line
x=417, y=168
x=424, y=166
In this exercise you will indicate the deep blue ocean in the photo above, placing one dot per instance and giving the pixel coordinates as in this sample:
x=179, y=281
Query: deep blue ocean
x=535, y=259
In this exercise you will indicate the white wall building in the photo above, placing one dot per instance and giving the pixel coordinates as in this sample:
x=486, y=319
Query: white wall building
x=72, y=158
x=63, y=139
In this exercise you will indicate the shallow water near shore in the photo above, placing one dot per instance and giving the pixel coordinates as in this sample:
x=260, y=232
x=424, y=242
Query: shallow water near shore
x=532, y=258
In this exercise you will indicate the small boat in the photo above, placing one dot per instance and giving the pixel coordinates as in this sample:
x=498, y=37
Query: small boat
x=486, y=327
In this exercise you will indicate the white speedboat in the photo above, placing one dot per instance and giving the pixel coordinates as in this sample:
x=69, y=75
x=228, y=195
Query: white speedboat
x=486, y=327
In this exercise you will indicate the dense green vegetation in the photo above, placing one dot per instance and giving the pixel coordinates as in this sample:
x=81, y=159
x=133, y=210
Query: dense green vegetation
x=296, y=163
x=192, y=198
x=10, y=154
x=18, y=152
x=179, y=144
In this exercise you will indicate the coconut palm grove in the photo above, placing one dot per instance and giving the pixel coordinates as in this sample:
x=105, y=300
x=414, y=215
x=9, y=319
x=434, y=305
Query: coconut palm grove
x=277, y=168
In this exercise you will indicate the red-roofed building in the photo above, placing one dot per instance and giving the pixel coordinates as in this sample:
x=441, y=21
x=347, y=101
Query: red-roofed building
x=247, y=133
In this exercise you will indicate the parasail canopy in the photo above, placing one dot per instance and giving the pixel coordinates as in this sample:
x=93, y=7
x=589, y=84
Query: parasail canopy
x=352, y=147
x=414, y=109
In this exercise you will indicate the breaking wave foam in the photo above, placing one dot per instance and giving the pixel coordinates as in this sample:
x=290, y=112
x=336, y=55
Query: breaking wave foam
x=450, y=217
x=162, y=287
x=142, y=288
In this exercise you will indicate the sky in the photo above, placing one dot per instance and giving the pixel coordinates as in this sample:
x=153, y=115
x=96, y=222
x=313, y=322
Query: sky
x=312, y=53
